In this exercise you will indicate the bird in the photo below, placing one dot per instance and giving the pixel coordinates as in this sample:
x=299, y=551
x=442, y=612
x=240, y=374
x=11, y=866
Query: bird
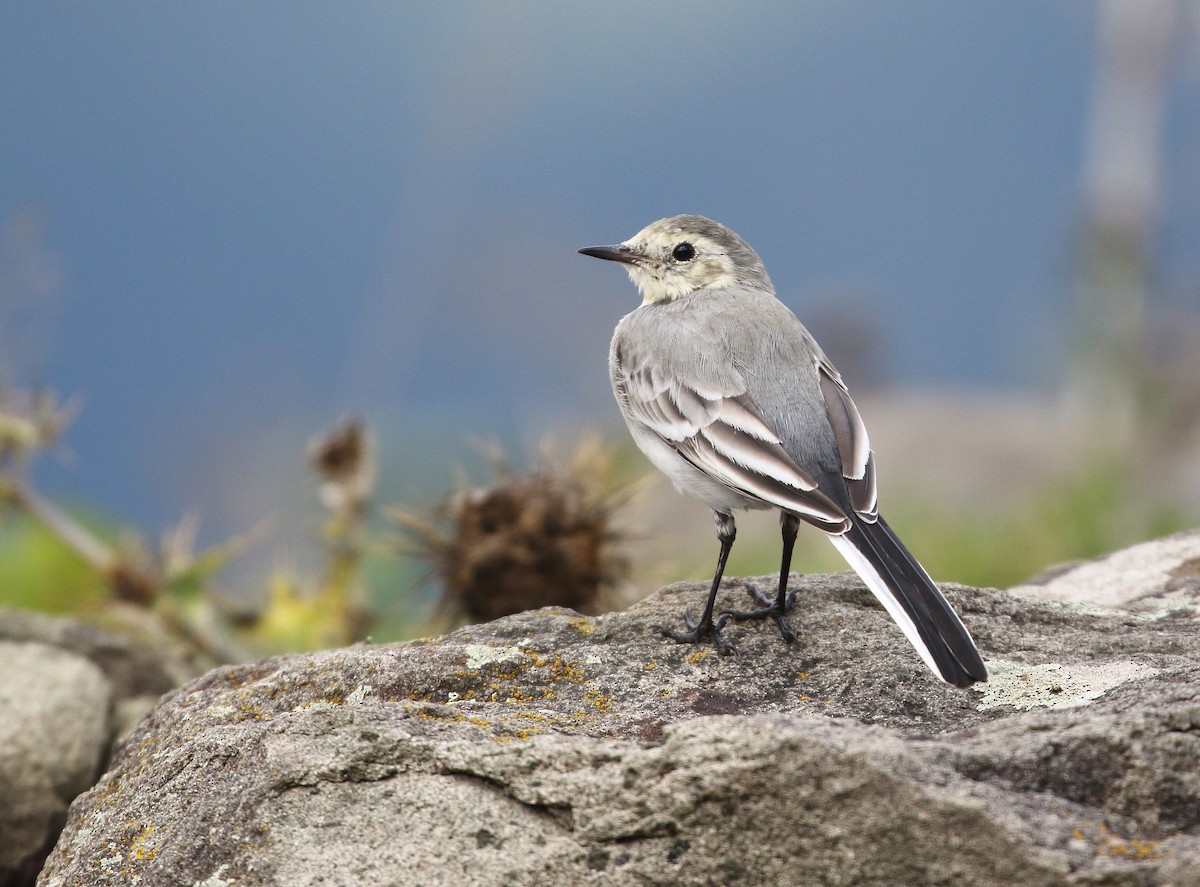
x=729, y=395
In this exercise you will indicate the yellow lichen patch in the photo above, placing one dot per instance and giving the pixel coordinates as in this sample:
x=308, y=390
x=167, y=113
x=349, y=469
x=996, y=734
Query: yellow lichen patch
x=560, y=669
x=506, y=728
x=520, y=676
x=534, y=716
x=698, y=657
x=518, y=730
x=652, y=664
x=583, y=624
x=603, y=703
x=141, y=850
x=1127, y=848
x=520, y=697
x=451, y=717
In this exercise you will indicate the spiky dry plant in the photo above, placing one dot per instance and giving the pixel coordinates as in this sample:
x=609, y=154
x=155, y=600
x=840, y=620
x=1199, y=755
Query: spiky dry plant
x=166, y=586
x=344, y=460
x=546, y=538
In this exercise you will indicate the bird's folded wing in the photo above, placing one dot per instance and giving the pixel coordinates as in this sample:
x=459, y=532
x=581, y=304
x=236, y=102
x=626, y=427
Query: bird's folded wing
x=854, y=447
x=723, y=434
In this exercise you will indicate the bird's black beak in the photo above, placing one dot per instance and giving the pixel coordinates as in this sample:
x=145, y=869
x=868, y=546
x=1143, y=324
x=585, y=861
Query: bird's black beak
x=621, y=254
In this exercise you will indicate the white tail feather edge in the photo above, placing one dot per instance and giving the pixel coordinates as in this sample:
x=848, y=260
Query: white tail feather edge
x=880, y=589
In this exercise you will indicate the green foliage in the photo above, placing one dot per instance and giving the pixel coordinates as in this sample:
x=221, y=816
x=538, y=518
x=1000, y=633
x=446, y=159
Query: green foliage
x=1083, y=516
x=41, y=573
x=1093, y=512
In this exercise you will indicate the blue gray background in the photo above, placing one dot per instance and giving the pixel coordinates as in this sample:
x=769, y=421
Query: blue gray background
x=228, y=224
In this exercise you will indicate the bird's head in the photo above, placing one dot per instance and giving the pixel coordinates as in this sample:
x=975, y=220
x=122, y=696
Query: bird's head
x=673, y=258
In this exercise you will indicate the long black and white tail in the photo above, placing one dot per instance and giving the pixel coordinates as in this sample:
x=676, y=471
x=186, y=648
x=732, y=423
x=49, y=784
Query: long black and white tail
x=911, y=598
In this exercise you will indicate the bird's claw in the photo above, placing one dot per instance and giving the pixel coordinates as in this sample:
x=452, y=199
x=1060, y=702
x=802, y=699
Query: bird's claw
x=770, y=609
x=698, y=633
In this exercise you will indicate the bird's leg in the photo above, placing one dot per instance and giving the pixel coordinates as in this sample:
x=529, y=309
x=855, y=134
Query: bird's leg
x=789, y=524
x=706, y=629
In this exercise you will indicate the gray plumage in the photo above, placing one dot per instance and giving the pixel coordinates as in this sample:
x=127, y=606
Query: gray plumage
x=730, y=396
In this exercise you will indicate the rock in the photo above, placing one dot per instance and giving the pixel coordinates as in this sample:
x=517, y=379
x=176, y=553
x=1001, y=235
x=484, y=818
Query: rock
x=66, y=690
x=553, y=749
x=54, y=733
x=1160, y=575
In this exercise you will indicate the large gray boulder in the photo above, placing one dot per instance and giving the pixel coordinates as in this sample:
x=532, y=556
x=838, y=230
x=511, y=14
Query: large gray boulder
x=67, y=691
x=553, y=749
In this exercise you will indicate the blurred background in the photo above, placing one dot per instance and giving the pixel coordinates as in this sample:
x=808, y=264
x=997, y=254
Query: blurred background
x=224, y=227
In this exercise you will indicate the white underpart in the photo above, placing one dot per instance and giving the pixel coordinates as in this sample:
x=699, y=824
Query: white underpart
x=672, y=285
x=880, y=589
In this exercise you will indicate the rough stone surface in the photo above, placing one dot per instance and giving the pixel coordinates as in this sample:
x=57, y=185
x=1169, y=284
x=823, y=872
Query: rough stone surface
x=67, y=689
x=54, y=732
x=553, y=749
x=1158, y=575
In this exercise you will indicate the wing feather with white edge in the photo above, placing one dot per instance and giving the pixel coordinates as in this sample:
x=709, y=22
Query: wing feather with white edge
x=854, y=447
x=723, y=434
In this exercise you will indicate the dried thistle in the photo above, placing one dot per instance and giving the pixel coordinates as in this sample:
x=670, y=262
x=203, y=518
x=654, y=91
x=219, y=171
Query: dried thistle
x=344, y=459
x=136, y=575
x=526, y=541
x=29, y=422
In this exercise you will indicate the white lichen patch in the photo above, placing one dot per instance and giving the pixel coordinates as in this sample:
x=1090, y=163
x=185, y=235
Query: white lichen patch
x=216, y=879
x=479, y=655
x=1144, y=610
x=1121, y=578
x=360, y=695
x=1051, y=685
x=221, y=711
x=317, y=705
x=87, y=827
x=1151, y=609
x=107, y=862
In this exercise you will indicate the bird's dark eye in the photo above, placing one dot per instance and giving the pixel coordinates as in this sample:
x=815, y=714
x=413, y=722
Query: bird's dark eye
x=683, y=252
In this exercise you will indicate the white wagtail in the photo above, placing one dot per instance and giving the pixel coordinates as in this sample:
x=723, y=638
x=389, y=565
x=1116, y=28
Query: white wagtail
x=730, y=396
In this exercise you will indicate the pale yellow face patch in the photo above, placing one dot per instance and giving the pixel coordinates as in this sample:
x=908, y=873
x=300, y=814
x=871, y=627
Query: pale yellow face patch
x=660, y=277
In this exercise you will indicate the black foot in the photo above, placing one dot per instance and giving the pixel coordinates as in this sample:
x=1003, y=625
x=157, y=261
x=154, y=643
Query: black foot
x=699, y=633
x=770, y=610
